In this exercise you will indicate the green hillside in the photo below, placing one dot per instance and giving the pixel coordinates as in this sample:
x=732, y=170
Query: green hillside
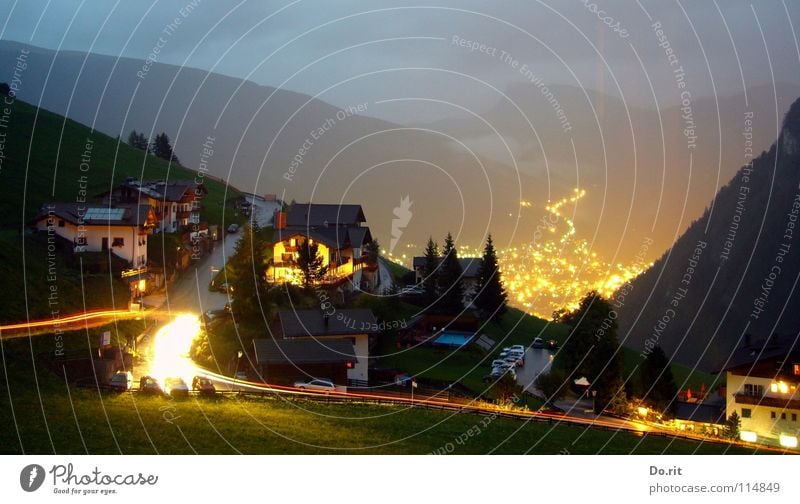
x=49, y=158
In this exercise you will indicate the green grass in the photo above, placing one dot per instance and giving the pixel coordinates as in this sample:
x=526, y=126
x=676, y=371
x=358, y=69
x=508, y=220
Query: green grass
x=36, y=288
x=398, y=271
x=55, y=418
x=45, y=169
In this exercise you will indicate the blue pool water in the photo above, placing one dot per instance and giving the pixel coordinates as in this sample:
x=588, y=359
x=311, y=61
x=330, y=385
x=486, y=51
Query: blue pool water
x=454, y=339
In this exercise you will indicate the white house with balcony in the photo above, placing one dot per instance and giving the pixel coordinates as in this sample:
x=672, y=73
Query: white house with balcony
x=120, y=229
x=762, y=381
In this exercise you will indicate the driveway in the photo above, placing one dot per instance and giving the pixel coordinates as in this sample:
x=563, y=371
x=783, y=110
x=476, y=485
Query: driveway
x=537, y=361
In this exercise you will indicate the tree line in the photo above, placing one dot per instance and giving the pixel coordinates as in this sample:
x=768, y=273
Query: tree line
x=160, y=146
x=443, y=283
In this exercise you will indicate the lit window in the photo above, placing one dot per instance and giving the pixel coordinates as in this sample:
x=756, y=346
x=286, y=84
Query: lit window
x=796, y=369
x=781, y=387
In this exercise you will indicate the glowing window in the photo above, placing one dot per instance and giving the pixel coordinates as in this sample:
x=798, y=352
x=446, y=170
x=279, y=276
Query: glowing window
x=796, y=369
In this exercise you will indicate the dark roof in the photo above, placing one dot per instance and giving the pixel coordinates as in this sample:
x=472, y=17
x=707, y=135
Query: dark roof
x=97, y=215
x=303, y=351
x=169, y=190
x=318, y=214
x=306, y=323
x=774, y=348
x=358, y=236
x=469, y=265
x=706, y=412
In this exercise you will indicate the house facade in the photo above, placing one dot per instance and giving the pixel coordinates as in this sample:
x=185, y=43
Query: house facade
x=331, y=338
x=122, y=229
x=338, y=231
x=762, y=381
x=176, y=203
x=470, y=267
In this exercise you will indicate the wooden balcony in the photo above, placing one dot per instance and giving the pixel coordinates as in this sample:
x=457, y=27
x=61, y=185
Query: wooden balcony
x=767, y=401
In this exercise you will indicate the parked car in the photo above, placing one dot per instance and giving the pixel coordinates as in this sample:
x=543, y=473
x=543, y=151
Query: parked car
x=412, y=290
x=498, y=372
x=176, y=387
x=150, y=386
x=316, y=384
x=233, y=228
x=517, y=348
x=122, y=380
x=203, y=386
x=214, y=315
x=537, y=343
x=223, y=287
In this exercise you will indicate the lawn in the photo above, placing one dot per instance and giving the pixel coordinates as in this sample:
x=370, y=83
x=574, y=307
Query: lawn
x=76, y=421
x=41, y=168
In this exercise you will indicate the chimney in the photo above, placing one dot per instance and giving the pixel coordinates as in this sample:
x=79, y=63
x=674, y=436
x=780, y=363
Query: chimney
x=279, y=221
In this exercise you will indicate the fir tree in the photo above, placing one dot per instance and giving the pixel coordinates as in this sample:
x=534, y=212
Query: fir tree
x=429, y=271
x=491, y=296
x=449, y=284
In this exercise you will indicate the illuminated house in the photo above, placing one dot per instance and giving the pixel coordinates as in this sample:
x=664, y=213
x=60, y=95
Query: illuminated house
x=121, y=229
x=176, y=202
x=337, y=230
x=762, y=388
x=313, y=343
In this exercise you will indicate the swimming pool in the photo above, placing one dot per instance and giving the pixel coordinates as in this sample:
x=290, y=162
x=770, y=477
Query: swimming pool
x=453, y=339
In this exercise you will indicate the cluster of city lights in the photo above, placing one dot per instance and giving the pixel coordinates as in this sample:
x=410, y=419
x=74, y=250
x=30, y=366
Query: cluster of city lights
x=555, y=268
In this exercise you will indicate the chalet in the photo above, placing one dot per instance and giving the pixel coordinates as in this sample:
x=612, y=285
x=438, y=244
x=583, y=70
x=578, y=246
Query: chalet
x=313, y=343
x=470, y=268
x=762, y=388
x=338, y=230
x=176, y=202
x=121, y=229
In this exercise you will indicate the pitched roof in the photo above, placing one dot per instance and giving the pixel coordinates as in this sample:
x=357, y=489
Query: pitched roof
x=358, y=236
x=303, y=351
x=773, y=348
x=320, y=214
x=307, y=323
x=97, y=215
x=165, y=190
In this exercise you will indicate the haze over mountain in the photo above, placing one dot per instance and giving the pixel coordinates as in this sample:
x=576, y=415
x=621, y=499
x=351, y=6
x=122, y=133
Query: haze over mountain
x=465, y=172
x=733, y=272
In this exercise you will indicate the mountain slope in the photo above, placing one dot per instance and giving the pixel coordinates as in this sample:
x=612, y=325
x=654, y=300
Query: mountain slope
x=734, y=271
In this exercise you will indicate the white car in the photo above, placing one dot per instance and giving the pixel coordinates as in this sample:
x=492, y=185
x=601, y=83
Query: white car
x=498, y=372
x=122, y=380
x=517, y=348
x=316, y=384
x=176, y=387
